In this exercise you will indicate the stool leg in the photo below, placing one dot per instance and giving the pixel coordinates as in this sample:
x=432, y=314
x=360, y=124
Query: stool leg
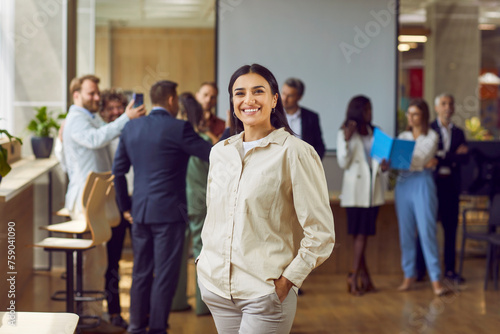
x=488, y=265
x=79, y=281
x=495, y=266
x=462, y=251
x=70, y=297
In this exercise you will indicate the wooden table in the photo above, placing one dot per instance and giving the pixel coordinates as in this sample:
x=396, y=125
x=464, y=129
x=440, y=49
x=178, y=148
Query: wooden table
x=37, y=322
x=16, y=206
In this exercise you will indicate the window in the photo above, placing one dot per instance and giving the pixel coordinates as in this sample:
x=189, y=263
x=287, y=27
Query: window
x=6, y=64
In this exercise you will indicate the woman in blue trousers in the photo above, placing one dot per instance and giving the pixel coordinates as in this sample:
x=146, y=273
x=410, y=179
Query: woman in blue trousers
x=416, y=199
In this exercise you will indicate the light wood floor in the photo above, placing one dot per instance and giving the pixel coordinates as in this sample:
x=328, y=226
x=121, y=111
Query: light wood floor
x=325, y=307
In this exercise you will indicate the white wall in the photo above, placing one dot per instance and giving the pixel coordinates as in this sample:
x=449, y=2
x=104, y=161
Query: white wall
x=338, y=48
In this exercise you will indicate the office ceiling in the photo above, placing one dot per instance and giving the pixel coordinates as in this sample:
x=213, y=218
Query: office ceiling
x=412, y=12
x=201, y=13
x=156, y=13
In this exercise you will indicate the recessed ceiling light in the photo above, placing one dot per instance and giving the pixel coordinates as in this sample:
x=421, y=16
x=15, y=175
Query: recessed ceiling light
x=412, y=38
x=403, y=47
x=494, y=15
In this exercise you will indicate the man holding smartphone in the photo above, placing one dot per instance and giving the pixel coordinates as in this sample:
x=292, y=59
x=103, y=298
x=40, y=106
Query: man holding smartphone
x=138, y=99
x=113, y=105
x=85, y=140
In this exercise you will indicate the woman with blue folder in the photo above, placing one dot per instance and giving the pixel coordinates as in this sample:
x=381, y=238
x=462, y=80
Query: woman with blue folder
x=363, y=186
x=416, y=199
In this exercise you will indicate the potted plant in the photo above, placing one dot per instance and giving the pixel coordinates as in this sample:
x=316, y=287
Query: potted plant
x=42, y=127
x=476, y=131
x=4, y=165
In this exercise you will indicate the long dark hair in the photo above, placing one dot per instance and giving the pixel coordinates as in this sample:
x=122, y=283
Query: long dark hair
x=278, y=117
x=355, y=112
x=190, y=109
x=424, y=109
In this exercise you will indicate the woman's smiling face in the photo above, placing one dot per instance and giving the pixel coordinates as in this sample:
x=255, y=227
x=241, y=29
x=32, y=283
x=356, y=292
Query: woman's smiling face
x=253, y=100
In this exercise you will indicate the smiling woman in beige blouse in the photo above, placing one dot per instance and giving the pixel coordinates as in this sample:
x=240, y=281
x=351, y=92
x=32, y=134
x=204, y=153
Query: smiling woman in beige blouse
x=269, y=222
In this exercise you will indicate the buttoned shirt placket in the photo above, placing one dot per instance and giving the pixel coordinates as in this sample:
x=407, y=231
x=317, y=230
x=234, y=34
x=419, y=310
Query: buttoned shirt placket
x=233, y=206
x=228, y=243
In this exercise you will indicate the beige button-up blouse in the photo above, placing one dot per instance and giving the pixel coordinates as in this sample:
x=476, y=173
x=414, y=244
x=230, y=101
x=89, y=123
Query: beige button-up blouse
x=268, y=215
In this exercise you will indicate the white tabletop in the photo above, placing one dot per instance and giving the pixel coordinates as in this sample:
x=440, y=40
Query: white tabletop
x=23, y=173
x=38, y=323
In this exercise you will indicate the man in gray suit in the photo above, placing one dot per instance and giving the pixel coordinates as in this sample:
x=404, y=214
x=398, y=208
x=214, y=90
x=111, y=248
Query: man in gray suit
x=85, y=145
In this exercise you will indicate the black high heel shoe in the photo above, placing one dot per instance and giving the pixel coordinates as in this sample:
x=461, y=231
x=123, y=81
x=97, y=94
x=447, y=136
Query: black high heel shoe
x=352, y=287
x=367, y=285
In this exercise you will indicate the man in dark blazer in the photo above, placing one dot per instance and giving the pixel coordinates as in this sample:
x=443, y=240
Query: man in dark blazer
x=452, y=152
x=158, y=147
x=304, y=122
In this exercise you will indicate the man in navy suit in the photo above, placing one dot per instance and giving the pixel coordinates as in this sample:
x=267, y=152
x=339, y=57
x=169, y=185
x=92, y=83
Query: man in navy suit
x=304, y=122
x=452, y=152
x=158, y=147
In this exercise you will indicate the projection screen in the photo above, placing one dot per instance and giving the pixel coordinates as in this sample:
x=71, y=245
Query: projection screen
x=338, y=48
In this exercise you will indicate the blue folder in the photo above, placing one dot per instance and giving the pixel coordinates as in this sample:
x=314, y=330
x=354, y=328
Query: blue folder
x=398, y=151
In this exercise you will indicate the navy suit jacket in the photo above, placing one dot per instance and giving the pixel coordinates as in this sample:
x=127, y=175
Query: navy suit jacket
x=158, y=146
x=311, y=131
x=451, y=159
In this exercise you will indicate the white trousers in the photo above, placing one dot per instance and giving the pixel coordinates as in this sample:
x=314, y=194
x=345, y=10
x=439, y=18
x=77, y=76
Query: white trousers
x=263, y=315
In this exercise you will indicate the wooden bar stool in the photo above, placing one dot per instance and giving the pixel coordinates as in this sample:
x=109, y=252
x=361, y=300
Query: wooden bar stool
x=78, y=225
x=100, y=230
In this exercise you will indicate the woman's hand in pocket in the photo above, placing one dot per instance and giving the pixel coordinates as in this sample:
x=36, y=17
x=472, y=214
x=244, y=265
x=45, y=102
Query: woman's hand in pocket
x=283, y=286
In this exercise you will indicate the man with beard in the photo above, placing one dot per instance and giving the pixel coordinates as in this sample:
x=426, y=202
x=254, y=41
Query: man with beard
x=85, y=145
x=207, y=97
x=113, y=104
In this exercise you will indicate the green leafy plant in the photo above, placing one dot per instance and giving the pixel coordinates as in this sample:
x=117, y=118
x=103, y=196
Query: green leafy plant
x=4, y=166
x=475, y=130
x=43, y=123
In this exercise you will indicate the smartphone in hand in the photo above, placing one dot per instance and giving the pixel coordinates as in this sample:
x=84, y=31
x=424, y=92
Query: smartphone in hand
x=138, y=99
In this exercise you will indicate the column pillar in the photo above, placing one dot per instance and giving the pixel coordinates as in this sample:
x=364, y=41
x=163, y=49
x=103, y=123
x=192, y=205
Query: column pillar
x=71, y=40
x=452, y=57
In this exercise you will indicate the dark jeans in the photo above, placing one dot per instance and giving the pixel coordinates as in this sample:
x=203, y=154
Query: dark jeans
x=448, y=197
x=115, y=247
